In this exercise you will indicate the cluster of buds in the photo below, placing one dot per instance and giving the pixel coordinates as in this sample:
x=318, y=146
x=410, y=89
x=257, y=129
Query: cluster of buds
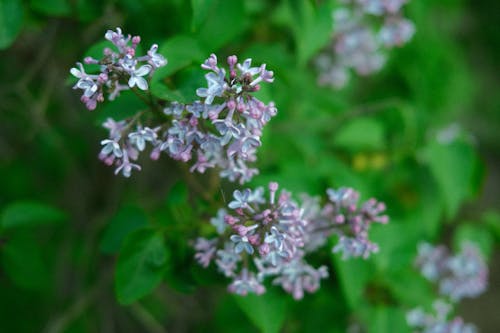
x=120, y=69
x=223, y=129
x=270, y=237
x=462, y=275
x=363, y=32
x=423, y=322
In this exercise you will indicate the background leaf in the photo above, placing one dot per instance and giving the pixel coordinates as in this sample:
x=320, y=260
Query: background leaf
x=267, y=311
x=11, y=21
x=30, y=213
x=141, y=265
x=127, y=220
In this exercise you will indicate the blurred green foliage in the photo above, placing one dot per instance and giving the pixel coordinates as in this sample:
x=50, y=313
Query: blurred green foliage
x=70, y=230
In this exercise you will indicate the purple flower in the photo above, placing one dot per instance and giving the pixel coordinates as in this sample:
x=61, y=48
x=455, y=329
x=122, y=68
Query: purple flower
x=276, y=233
x=116, y=69
x=241, y=244
x=136, y=77
x=216, y=86
x=240, y=199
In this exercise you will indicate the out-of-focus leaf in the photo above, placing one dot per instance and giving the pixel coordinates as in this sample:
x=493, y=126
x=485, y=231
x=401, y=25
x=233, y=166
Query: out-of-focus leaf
x=397, y=241
x=360, y=134
x=267, y=311
x=51, y=7
x=141, y=265
x=452, y=165
x=410, y=288
x=492, y=220
x=29, y=213
x=200, y=10
x=476, y=234
x=225, y=20
x=11, y=21
x=312, y=27
x=23, y=263
x=126, y=220
x=354, y=275
x=88, y=10
x=386, y=319
x=178, y=194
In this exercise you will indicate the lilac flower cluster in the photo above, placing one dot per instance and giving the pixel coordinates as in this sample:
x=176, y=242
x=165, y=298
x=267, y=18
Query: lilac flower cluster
x=270, y=237
x=423, y=322
x=363, y=31
x=462, y=275
x=223, y=129
x=459, y=276
x=120, y=69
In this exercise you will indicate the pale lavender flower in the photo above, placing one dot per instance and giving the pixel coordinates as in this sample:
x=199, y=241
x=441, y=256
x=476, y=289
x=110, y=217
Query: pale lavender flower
x=458, y=276
x=111, y=147
x=269, y=236
x=246, y=283
x=423, y=322
x=216, y=86
x=242, y=243
x=136, y=77
x=205, y=251
x=364, y=32
x=116, y=68
x=126, y=167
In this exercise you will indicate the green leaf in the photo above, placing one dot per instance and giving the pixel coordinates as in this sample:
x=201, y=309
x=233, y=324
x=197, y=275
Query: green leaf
x=312, y=27
x=178, y=194
x=180, y=51
x=225, y=20
x=126, y=220
x=453, y=166
x=11, y=21
x=384, y=319
x=30, y=213
x=51, y=7
x=23, y=263
x=141, y=265
x=124, y=106
x=476, y=234
x=492, y=220
x=200, y=11
x=360, y=134
x=160, y=90
x=354, y=275
x=267, y=311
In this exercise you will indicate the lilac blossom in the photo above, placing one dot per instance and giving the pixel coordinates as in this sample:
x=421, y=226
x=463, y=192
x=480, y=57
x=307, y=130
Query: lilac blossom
x=115, y=66
x=457, y=276
x=268, y=237
x=423, y=322
x=222, y=130
x=364, y=30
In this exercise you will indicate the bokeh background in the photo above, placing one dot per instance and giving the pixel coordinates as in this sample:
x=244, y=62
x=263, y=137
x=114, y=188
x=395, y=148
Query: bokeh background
x=379, y=135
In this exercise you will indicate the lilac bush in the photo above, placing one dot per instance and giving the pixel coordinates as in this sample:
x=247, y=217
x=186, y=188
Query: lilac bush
x=363, y=32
